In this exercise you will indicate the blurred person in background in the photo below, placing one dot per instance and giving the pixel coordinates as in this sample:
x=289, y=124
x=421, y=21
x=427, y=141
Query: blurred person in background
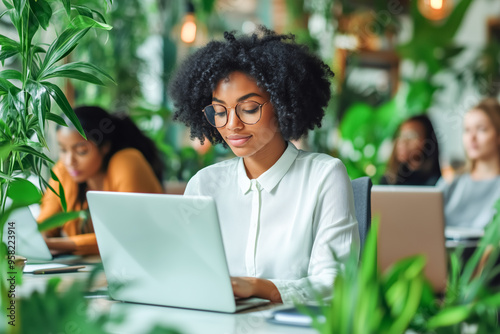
x=415, y=156
x=116, y=156
x=470, y=197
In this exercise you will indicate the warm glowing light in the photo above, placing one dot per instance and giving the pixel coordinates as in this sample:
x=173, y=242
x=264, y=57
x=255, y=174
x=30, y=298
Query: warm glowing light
x=188, y=30
x=436, y=4
x=435, y=9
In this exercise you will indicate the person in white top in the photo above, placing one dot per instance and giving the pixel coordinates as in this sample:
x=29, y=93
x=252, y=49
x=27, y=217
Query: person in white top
x=287, y=216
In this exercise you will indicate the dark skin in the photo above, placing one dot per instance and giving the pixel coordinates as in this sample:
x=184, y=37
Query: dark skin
x=260, y=145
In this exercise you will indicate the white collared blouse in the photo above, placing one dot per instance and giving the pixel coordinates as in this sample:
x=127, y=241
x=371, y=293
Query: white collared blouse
x=284, y=225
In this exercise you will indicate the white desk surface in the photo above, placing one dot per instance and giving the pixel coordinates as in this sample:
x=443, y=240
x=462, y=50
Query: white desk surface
x=142, y=318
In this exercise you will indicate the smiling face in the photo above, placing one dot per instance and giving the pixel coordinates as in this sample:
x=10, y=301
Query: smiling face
x=481, y=140
x=262, y=140
x=82, y=158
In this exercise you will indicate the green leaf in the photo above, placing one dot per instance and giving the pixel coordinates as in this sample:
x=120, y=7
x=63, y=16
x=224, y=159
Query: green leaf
x=60, y=47
x=67, y=6
x=5, y=150
x=11, y=74
x=32, y=151
x=19, y=5
x=80, y=66
x=63, y=103
x=83, y=22
x=74, y=74
x=39, y=97
x=56, y=119
x=60, y=219
x=449, y=316
x=23, y=192
x=491, y=301
x=5, y=86
x=42, y=11
x=7, y=42
x=62, y=196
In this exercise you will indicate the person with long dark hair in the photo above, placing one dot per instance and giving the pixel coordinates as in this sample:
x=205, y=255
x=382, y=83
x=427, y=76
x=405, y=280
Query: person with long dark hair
x=116, y=156
x=287, y=216
x=415, y=156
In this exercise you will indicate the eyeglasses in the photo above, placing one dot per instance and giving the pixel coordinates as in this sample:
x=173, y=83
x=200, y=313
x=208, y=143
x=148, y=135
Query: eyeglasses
x=249, y=112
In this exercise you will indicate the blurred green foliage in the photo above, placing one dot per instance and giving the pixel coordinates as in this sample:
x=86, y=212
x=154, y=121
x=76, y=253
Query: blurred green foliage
x=400, y=299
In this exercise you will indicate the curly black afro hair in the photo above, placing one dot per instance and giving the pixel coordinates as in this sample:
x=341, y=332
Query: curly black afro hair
x=297, y=80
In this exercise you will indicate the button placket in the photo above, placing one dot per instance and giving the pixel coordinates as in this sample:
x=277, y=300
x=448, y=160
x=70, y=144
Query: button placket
x=254, y=228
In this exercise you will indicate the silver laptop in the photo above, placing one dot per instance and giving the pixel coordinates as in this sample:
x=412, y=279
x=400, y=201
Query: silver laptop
x=27, y=241
x=163, y=250
x=411, y=222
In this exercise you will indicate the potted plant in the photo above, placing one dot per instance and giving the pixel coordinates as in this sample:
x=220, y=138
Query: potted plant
x=28, y=96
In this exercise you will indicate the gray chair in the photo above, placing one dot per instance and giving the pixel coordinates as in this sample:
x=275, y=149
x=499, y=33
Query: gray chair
x=361, y=188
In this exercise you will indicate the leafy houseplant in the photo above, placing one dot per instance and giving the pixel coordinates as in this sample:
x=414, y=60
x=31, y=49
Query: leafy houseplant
x=366, y=301
x=27, y=96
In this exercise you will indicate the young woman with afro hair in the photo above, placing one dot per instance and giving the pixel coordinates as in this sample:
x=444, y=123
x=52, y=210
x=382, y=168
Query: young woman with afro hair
x=287, y=216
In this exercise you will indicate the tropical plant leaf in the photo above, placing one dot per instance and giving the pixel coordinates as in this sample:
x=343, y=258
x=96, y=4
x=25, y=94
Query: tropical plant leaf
x=62, y=196
x=5, y=86
x=75, y=74
x=80, y=66
x=23, y=192
x=11, y=74
x=39, y=97
x=55, y=118
x=83, y=22
x=449, y=316
x=63, y=103
x=67, y=6
x=42, y=12
x=60, y=47
x=32, y=151
x=60, y=219
x=8, y=42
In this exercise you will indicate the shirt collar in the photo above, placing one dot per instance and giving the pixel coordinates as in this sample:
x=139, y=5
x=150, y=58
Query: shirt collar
x=270, y=178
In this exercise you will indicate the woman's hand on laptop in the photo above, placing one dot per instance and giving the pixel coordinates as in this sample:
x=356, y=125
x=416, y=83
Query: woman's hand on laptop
x=244, y=287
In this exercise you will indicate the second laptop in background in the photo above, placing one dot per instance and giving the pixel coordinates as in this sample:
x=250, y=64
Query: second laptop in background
x=411, y=222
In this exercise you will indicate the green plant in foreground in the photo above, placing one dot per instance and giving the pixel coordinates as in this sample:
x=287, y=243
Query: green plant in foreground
x=364, y=301
x=57, y=310
x=27, y=94
x=367, y=301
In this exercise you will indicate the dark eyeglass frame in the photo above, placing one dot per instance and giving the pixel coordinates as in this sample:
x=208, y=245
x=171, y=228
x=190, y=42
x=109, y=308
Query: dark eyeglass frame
x=234, y=107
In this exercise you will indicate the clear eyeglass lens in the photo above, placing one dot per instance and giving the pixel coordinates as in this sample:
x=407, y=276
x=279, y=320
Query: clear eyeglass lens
x=248, y=112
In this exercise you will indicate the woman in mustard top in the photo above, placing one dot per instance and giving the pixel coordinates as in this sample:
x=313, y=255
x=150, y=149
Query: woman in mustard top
x=116, y=157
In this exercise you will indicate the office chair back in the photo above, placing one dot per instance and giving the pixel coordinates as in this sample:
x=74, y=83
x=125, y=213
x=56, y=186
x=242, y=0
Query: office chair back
x=361, y=188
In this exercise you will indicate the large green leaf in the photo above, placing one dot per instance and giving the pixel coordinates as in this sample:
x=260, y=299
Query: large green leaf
x=9, y=47
x=60, y=47
x=63, y=103
x=79, y=66
x=23, y=192
x=450, y=316
x=67, y=6
x=59, y=219
x=32, y=151
x=19, y=5
x=75, y=74
x=5, y=86
x=11, y=74
x=39, y=97
x=61, y=194
x=89, y=12
x=55, y=118
x=83, y=22
x=42, y=12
